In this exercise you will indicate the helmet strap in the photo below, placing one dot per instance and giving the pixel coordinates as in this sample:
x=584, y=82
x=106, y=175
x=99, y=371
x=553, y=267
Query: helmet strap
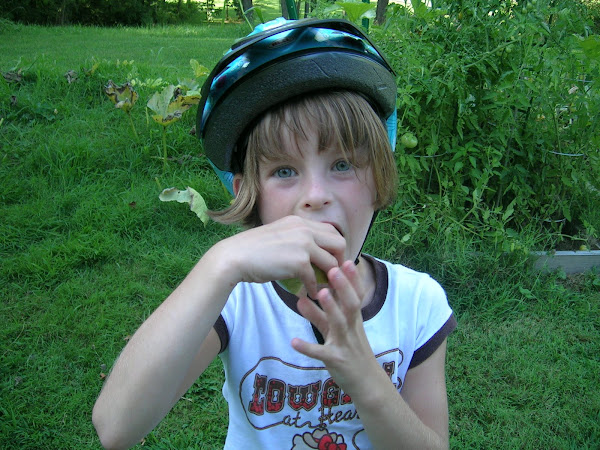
x=357, y=260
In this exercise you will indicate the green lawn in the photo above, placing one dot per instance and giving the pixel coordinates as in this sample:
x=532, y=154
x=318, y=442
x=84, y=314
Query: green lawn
x=87, y=251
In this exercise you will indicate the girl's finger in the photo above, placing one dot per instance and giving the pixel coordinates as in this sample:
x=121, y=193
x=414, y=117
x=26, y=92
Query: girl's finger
x=314, y=314
x=329, y=238
x=330, y=303
x=345, y=291
x=315, y=351
x=351, y=273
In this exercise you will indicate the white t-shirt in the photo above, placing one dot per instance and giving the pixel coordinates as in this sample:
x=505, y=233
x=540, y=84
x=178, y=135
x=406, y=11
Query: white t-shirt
x=282, y=399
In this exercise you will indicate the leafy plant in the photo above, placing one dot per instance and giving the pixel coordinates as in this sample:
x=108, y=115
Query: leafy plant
x=198, y=69
x=504, y=101
x=353, y=10
x=168, y=107
x=124, y=97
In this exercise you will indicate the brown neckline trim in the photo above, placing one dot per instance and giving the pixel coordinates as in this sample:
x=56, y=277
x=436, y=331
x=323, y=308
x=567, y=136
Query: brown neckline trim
x=369, y=311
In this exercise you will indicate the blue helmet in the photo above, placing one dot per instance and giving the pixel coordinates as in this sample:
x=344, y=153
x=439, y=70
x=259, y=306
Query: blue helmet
x=278, y=61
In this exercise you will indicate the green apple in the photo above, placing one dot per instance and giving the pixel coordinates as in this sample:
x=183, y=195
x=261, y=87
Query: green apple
x=294, y=285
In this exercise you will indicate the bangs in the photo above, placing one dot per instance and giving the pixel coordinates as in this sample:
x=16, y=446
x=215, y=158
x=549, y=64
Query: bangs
x=346, y=121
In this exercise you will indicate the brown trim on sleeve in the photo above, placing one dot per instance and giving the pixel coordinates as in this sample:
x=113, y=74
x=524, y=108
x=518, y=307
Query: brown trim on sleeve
x=221, y=328
x=427, y=349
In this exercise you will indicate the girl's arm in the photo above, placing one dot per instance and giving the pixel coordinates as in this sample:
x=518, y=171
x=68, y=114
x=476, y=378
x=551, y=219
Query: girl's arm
x=177, y=342
x=416, y=419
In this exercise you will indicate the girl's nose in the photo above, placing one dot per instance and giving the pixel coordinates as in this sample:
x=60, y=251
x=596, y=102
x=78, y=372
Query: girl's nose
x=316, y=193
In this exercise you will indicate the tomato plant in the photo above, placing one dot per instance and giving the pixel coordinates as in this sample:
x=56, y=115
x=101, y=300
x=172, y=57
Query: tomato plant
x=504, y=98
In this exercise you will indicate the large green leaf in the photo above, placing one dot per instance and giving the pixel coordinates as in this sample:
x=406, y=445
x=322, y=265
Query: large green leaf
x=169, y=109
x=357, y=10
x=124, y=96
x=190, y=196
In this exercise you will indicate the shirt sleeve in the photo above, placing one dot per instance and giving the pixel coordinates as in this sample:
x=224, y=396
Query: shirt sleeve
x=435, y=321
x=226, y=320
x=221, y=328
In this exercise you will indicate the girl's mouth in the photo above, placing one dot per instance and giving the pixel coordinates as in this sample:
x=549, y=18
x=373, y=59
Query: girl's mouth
x=336, y=228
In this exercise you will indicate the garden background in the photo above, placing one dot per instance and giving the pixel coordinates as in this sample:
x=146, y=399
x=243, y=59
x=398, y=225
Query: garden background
x=502, y=100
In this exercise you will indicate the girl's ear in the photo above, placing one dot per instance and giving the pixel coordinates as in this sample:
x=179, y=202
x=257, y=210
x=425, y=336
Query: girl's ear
x=236, y=183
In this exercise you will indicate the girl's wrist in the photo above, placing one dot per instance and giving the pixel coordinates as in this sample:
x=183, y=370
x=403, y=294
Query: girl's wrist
x=368, y=394
x=222, y=262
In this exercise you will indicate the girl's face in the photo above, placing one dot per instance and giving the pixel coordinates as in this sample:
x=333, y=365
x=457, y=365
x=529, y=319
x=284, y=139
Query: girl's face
x=318, y=185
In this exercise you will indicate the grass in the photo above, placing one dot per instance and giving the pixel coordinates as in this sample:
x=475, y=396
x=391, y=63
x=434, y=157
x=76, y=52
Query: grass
x=87, y=251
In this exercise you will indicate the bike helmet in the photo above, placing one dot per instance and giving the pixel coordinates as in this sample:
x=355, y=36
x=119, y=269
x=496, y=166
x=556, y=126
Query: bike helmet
x=278, y=61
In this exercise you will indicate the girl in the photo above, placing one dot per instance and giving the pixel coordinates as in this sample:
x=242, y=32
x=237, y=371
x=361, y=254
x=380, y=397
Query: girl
x=299, y=122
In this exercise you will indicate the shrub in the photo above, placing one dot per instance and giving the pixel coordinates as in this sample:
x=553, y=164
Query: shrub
x=503, y=98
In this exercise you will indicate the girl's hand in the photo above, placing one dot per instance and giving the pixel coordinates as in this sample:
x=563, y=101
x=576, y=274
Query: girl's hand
x=284, y=249
x=346, y=351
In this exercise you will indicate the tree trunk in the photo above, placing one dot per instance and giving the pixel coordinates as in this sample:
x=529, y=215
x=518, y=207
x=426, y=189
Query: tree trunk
x=284, y=11
x=60, y=14
x=380, y=11
x=247, y=4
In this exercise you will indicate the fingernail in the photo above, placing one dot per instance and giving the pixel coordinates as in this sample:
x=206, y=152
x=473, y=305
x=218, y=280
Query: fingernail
x=351, y=268
x=337, y=275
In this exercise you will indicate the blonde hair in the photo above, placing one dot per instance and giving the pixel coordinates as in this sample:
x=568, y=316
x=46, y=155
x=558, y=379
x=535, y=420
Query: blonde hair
x=341, y=119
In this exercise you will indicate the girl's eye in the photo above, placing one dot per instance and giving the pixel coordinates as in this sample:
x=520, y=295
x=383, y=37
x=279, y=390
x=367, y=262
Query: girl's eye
x=342, y=165
x=284, y=172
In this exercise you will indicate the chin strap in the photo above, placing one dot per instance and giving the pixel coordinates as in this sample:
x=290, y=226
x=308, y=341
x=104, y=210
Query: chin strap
x=357, y=260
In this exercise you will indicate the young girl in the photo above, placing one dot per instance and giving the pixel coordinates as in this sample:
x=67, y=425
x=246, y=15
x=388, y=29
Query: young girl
x=294, y=118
